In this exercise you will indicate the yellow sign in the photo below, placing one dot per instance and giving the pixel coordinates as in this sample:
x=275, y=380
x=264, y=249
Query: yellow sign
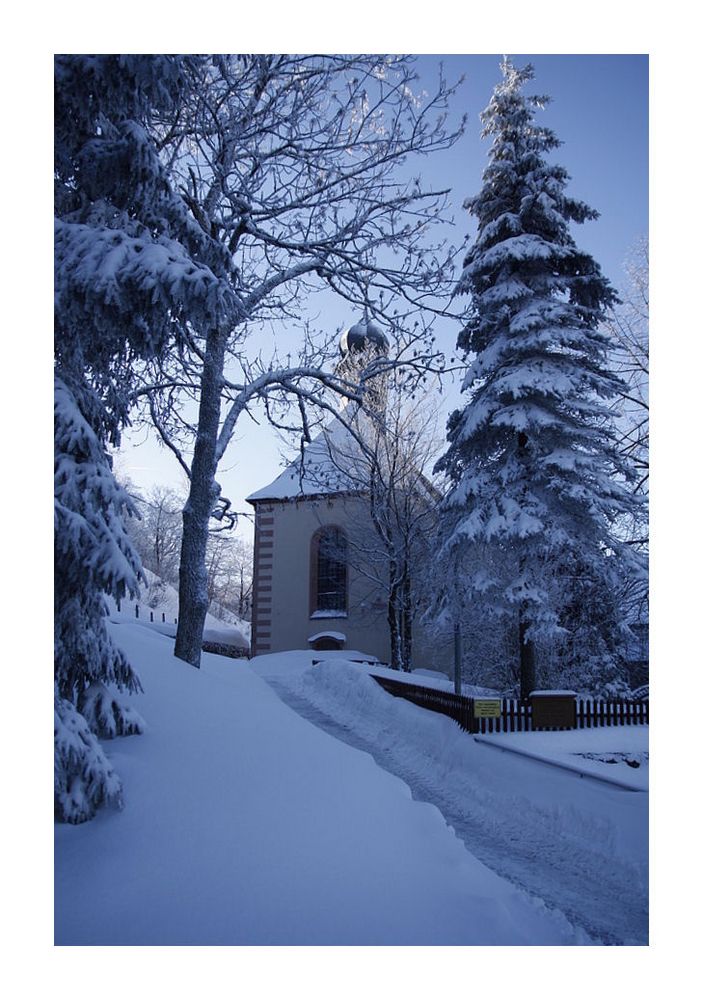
x=487, y=708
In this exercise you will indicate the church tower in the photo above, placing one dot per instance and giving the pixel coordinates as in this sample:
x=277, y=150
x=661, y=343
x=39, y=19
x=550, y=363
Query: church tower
x=360, y=347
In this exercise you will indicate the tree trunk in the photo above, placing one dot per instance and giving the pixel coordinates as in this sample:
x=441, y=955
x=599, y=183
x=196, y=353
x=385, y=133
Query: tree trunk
x=458, y=658
x=192, y=592
x=407, y=622
x=240, y=602
x=527, y=648
x=527, y=658
x=394, y=623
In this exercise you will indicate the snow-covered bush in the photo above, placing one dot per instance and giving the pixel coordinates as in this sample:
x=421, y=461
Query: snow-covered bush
x=92, y=555
x=84, y=778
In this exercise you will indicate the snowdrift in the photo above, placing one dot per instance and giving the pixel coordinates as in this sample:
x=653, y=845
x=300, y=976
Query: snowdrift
x=244, y=824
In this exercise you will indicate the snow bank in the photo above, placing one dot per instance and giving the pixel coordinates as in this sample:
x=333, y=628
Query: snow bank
x=165, y=598
x=293, y=663
x=604, y=827
x=244, y=824
x=602, y=752
x=227, y=635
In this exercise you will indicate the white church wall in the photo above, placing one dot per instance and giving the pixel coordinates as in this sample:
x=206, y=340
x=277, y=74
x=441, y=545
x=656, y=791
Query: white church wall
x=282, y=616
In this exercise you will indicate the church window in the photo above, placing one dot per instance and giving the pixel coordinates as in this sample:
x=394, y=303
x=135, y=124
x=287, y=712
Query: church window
x=329, y=571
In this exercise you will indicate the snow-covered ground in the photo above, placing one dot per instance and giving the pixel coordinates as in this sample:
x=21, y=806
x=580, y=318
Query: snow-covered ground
x=579, y=844
x=293, y=662
x=234, y=631
x=245, y=824
x=619, y=754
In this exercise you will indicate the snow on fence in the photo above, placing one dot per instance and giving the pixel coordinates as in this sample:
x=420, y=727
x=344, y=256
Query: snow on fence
x=456, y=706
x=225, y=649
x=515, y=713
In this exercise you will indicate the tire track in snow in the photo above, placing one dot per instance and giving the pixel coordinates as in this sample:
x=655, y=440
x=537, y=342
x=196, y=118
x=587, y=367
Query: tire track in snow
x=602, y=895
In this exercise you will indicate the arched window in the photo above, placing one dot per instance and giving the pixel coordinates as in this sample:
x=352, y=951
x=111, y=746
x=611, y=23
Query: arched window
x=328, y=576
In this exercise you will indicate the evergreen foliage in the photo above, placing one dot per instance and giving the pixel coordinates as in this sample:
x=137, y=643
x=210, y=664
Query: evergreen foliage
x=84, y=778
x=532, y=459
x=126, y=267
x=127, y=256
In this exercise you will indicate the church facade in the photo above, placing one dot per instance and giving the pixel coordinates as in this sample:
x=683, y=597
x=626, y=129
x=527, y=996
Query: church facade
x=316, y=584
x=308, y=593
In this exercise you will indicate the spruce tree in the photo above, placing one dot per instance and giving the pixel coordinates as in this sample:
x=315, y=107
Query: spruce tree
x=127, y=277
x=532, y=457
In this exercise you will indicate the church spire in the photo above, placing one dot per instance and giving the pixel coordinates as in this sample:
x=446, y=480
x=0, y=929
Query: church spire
x=360, y=346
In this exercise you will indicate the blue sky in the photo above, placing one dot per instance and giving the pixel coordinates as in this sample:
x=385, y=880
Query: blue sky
x=599, y=110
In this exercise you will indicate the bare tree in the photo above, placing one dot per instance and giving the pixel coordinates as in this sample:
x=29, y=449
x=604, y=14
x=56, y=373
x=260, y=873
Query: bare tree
x=295, y=174
x=382, y=457
x=157, y=534
x=628, y=326
x=229, y=570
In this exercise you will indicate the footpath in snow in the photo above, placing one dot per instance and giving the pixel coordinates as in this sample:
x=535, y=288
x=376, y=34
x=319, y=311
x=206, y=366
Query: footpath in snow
x=245, y=824
x=578, y=844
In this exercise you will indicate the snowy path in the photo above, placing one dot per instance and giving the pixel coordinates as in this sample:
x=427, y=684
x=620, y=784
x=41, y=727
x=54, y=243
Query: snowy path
x=579, y=875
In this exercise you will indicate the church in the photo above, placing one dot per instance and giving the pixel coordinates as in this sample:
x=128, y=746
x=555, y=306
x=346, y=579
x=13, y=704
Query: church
x=318, y=583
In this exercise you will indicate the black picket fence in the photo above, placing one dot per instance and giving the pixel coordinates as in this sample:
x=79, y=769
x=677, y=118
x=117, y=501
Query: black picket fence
x=515, y=713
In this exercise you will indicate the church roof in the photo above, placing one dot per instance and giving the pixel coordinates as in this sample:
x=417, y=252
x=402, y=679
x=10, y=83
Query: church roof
x=331, y=463
x=314, y=472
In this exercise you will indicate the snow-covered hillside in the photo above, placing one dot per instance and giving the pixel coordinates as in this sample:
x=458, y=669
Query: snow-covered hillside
x=245, y=824
x=161, y=598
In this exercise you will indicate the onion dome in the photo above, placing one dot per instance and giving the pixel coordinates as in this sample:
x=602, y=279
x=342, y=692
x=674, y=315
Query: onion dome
x=363, y=335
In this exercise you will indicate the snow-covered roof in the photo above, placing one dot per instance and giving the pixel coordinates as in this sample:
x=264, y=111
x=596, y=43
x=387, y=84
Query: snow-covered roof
x=552, y=693
x=339, y=636
x=315, y=473
x=331, y=463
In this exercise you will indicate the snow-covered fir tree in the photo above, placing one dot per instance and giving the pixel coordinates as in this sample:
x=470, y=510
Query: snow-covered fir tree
x=127, y=272
x=532, y=458
x=92, y=555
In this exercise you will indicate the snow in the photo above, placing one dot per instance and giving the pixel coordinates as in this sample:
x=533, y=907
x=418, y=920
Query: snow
x=226, y=635
x=579, y=844
x=317, y=474
x=245, y=824
x=293, y=664
x=329, y=614
x=433, y=674
x=103, y=269
x=340, y=636
x=431, y=679
x=602, y=752
x=216, y=630
x=552, y=693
